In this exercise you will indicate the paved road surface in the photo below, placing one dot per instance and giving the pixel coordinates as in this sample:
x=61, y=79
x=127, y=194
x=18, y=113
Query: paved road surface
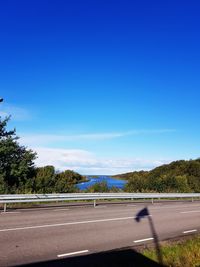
x=46, y=234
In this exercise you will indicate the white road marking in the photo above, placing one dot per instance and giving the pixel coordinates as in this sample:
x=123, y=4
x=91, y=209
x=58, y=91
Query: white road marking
x=143, y=240
x=66, y=224
x=10, y=212
x=99, y=207
x=189, y=231
x=72, y=253
x=190, y=211
x=130, y=205
x=175, y=207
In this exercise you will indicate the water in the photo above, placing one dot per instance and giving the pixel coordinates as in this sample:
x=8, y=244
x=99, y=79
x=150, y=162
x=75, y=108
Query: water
x=110, y=182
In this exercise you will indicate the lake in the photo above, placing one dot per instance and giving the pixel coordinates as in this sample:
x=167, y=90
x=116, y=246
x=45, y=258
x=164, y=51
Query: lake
x=110, y=182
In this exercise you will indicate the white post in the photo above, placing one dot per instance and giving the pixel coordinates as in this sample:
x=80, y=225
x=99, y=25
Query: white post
x=4, y=207
x=152, y=200
x=94, y=203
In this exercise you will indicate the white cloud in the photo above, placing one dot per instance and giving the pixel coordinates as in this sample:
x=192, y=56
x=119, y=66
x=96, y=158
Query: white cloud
x=17, y=113
x=44, y=139
x=86, y=162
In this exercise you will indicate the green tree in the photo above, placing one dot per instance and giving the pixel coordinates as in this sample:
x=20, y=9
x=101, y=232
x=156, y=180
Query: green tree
x=181, y=184
x=66, y=181
x=137, y=182
x=44, y=180
x=16, y=161
x=101, y=187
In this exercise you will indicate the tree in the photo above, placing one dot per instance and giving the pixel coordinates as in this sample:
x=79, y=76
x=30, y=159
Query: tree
x=100, y=187
x=44, y=180
x=16, y=161
x=137, y=182
x=66, y=181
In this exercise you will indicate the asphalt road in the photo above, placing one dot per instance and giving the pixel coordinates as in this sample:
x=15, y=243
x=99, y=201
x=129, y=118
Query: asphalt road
x=46, y=234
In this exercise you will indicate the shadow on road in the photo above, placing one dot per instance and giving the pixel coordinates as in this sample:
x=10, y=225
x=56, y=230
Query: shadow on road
x=145, y=213
x=114, y=258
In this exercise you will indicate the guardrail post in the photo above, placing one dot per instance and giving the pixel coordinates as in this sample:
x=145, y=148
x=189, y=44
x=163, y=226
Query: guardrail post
x=95, y=203
x=4, y=207
x=192, y=199
x=152, y=200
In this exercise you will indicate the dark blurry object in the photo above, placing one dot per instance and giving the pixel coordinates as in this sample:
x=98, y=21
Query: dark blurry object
x=145, y=213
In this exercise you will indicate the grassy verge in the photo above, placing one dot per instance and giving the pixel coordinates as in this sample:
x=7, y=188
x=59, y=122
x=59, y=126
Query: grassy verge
x=183, y=253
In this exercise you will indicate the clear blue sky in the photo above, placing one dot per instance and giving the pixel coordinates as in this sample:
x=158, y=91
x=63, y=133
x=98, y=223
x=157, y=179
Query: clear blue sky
x=102, y=86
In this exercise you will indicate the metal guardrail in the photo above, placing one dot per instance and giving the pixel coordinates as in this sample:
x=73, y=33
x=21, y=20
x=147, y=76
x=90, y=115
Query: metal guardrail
x=25, y=198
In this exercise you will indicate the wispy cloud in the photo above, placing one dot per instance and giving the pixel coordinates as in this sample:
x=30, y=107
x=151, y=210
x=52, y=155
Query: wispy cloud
x=43, y=139
x=17, y=113
x=86, y=162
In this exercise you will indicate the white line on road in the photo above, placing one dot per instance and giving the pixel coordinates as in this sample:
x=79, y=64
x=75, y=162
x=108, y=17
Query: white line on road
x=66, y=224
x=10, y=212
x=72, y=253
x=143, y=240
x=189, y=231
x=175, y=207
x=131, y=205
x=99, y=207
x=191, y=211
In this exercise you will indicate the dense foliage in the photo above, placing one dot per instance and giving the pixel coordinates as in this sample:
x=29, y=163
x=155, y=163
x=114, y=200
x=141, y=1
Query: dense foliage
x=16, y=162
x=178, y=176
x=101, y=187
x=19, y=175
x=47, y=180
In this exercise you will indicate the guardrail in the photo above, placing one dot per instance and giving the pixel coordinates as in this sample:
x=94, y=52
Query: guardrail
x=25, y=198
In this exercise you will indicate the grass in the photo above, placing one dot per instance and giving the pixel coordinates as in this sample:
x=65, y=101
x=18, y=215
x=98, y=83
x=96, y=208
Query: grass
x=183, y=253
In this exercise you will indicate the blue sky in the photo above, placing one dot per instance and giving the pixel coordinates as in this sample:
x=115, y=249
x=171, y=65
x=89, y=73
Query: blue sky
x=102, y=87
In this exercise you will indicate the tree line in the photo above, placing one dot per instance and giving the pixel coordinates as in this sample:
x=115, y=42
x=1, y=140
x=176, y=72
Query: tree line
x=178, y=176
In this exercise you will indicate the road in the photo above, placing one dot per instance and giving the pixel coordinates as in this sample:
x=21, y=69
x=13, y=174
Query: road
x=45, y=234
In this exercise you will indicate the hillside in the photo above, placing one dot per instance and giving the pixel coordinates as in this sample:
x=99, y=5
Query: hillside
x=178, y=176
